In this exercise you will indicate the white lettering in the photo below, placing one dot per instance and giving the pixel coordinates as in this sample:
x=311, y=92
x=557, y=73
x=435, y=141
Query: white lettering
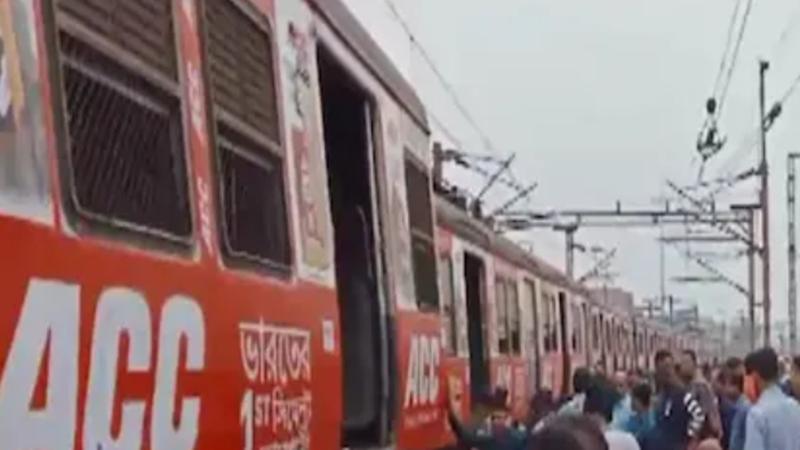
x=196, y=109
x=422, y=381
x=50, y=316
x=433, y=376
x=181, y=317
x=119, y=311
x=247, y=420
x=204, y=205
x=411, y=373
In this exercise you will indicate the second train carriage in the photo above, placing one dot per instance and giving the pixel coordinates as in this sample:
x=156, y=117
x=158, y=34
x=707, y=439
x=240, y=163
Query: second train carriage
x=510, y=319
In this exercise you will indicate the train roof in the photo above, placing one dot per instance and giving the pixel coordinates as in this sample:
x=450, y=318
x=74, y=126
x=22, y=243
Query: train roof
x=478, y=233
x=350, y=30
x=458, y=221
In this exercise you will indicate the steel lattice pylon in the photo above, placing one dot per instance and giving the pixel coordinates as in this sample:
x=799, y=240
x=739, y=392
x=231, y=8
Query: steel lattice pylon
x=791, y=211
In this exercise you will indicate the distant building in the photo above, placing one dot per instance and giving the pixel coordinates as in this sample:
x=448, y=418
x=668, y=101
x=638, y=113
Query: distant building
x=618, y=300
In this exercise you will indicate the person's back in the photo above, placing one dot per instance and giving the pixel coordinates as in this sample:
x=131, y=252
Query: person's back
x=600, y=401
x=702, y=392
x=581, y=381
x=620, y=440
x=495, y=433
x=642, y=420
x=678, y=420
x=773, y=422
x=568, y=433
x=678, y=415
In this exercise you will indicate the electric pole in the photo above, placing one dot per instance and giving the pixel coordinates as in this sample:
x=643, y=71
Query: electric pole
x=569, y=234
x=661, y=265
x=790, y=198
x=763, y=66
x=751, y=270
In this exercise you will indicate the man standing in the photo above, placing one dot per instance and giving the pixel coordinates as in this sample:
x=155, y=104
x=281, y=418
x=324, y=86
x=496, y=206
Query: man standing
x=581, y=381
x=599, y=405
x=497, y=432
x=791, y=386
x=733, y=395
x=679, y=416
x=623, y=410
x=642, y=420
x=773, y=422
x=701, y=389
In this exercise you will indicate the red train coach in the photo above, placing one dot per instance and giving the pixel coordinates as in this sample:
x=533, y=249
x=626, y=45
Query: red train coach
x=510, y=319
x=207, y=235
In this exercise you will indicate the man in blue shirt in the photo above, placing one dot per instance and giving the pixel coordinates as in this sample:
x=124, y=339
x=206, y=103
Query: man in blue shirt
x=737, y=406
x=773, y=422
x=642, y=420
x=496, y=433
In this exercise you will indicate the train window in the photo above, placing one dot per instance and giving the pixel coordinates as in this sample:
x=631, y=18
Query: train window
x=579, y=329
x=449, y=316
x=514, y=325
x=501, y=304
x=551, y=327
x=420, y=219
x=531, y=333
x=248, y=150
x=548, y=324
x=124, y=157
x=596, y=332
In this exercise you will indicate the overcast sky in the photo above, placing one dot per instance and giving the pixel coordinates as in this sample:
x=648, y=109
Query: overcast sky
x=602, y=101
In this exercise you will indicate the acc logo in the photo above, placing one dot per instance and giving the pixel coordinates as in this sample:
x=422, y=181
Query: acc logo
x=422, y=382
x=47, y=337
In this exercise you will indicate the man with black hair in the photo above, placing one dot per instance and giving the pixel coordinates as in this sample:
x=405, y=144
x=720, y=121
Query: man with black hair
x=732, y=382
x=581, y=381
x=497, y=431
x=600, y=401
x=642, y=420
x=701, y=389
x=773, y=422
x=568, y=433
x=791, y=386
x=678, y=415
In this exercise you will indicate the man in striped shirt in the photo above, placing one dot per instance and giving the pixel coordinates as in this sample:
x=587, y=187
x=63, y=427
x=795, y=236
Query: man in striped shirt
x=679, y=416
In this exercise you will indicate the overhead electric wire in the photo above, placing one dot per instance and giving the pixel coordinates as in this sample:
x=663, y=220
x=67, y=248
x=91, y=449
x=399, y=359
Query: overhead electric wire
x=794, y=21
x=724, y=60
x=790, y=90
x=708, y=142
x=750, y=141
x=448, y=87
x=734, y=58
x=450, y=90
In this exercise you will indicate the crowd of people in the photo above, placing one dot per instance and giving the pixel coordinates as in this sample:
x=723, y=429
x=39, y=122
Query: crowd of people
x=749, y=404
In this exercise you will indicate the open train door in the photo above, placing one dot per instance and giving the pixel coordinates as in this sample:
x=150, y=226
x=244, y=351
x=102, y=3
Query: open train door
x=566, y=344
x=367, y=407
x=475, y=281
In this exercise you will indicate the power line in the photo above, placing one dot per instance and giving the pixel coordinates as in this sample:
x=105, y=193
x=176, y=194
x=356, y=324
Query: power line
x=749, y=143
x=709, y=141
x=448, y=87
x=790, y=90
x=734, y=57
x=728, y=40
x=793, y=21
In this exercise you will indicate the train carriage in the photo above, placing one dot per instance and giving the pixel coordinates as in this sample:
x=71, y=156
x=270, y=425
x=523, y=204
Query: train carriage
x=220, y=232
x=524, y=319
x=208, y=231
